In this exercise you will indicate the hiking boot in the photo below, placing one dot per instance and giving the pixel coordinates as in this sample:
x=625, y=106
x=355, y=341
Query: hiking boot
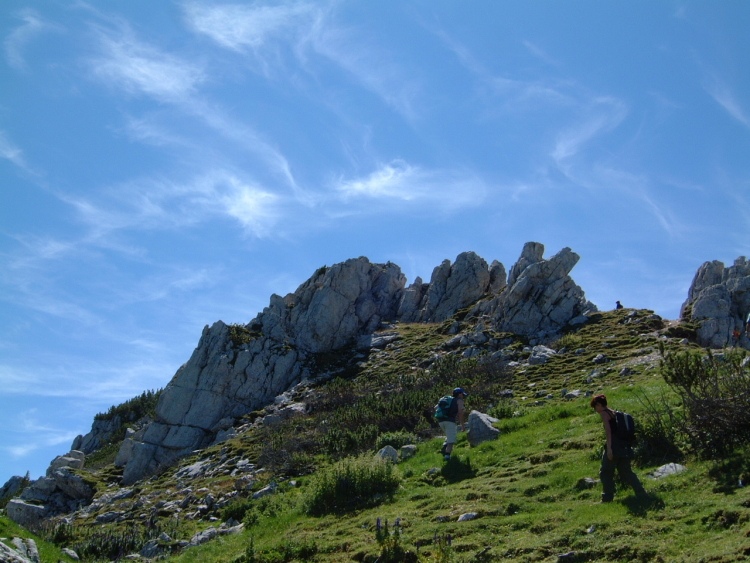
x=446, y=457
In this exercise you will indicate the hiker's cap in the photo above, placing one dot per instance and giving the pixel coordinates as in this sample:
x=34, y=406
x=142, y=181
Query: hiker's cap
x=458, y=390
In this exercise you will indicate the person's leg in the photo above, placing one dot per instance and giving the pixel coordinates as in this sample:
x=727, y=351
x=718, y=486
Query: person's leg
x=607, y=477
x=450, y=437
x=628, y=476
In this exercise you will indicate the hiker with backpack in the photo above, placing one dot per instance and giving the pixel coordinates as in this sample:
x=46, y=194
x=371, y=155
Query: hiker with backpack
x=449, y=413
x=619, y=428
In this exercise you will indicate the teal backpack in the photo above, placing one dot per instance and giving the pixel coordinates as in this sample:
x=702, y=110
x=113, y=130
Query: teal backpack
x=443, y=407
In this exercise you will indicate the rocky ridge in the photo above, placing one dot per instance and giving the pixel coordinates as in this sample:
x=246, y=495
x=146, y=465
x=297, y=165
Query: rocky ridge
x=227, y=377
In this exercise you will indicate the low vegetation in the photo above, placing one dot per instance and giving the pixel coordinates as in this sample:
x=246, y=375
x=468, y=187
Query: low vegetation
x=528, y=496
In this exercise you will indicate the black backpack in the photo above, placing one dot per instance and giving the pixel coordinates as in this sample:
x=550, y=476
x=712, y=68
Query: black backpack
x=443, y=407
x=625, y=427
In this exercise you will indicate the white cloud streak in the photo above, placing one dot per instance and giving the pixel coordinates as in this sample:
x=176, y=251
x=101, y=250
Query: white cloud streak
x=725, y=97
x=266, y=30
x=11, y=152
x=400, y=181
x=140, y=69
x=161, y=204
x=20, y=37
x=240, y=27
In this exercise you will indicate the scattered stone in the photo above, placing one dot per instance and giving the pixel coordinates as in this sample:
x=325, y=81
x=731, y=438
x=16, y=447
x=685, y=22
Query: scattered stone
x=600, y=359
x=587, y=483
x=108, y=517
x=407, y=451
x=666, y=470
x=265, y=491
x=540, y=355
x=468, y=516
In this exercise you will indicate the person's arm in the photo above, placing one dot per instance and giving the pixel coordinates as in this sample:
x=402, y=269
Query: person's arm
x=606, y=417
x=460, y=413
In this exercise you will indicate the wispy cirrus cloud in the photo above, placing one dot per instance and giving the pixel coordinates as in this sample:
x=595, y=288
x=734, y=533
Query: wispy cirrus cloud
x=138, y=68
x=307, y=30
x=155, y=204
x=17, y=40
x=243, y=27
x=605, y=115
x=9, y=151
x=36, y=435
x=727, y=99
x=128, y=64
x=400, y=181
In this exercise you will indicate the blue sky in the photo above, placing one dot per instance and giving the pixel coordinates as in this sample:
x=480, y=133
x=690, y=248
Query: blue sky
x=164, y=165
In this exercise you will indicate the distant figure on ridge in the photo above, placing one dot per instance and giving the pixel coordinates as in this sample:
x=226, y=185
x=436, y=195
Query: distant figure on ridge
x=618, y=305
x=617, y=455
x=449, y=410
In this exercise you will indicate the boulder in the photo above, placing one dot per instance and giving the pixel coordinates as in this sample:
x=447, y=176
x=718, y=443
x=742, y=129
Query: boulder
x=480, y=428
x=540, y=355
x=74, y=459
x=388, y=453
x=25, y=513
x=408, y=451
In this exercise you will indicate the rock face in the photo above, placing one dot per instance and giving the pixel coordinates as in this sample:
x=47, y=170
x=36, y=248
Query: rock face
x=60, y=491
x=237, y=369
x=718, y=302
x=101, y=431
x=542, y=297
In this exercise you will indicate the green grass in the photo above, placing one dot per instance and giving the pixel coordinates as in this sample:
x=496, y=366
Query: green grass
x=524, y=489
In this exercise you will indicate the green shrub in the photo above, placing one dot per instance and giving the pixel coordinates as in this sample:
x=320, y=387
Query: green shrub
x=715, y=394
x=236, y=509
x=395, y=439
x=658, y=432
x=505, y=408
x=350, y=484
x=350, y=438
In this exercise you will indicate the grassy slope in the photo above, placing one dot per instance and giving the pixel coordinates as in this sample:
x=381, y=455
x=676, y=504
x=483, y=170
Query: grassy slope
x=523, y=487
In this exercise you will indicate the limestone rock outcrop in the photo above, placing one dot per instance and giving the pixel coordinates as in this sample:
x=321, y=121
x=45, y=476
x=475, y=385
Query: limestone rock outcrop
x=60, y=491
x=718, y=303
x=237, y=369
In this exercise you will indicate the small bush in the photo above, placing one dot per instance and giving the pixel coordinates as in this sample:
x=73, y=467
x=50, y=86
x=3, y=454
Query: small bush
x=353, y=483
x=505, y=408
x=395, y=439
x=715, y=395
x=658, y=431
x=236, y=509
